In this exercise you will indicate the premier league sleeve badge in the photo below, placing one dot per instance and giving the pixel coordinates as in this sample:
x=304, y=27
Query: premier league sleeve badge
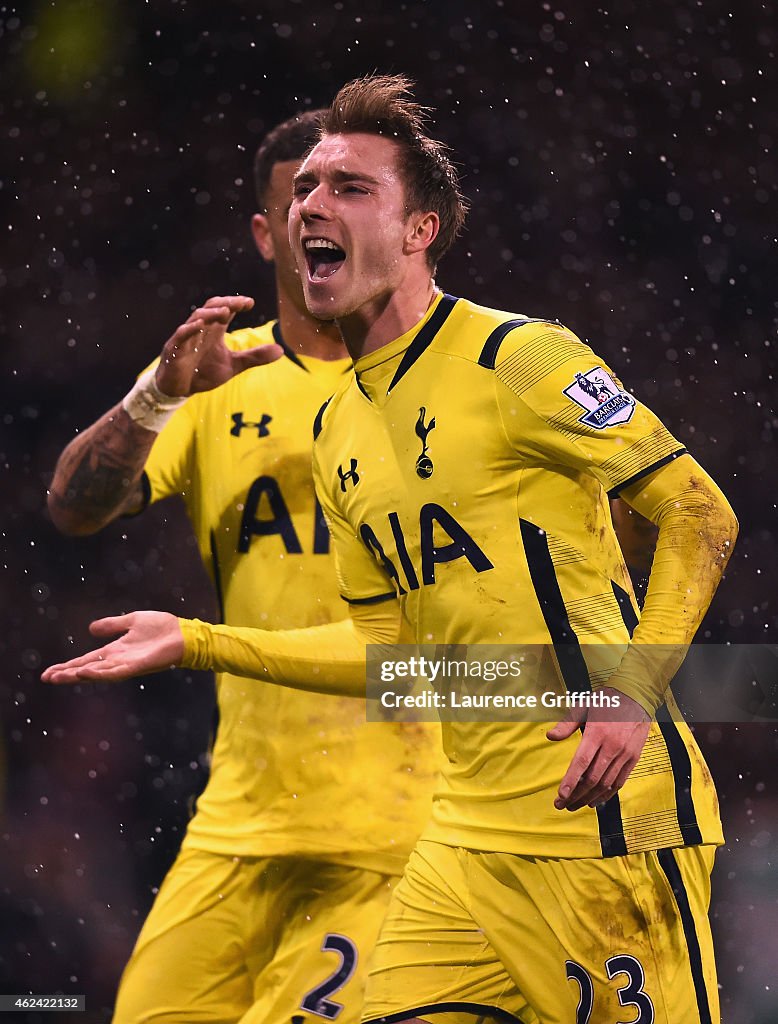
x=605, y=403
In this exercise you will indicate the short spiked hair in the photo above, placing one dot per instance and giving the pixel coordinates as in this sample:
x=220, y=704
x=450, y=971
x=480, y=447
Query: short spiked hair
x=289, y=140
x=383, y=105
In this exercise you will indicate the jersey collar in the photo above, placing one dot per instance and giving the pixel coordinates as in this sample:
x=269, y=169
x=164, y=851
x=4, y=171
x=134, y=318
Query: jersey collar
x=278, y=338
x=412, y=344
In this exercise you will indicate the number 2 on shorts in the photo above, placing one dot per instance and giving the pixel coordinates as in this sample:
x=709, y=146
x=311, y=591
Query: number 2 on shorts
x=316, y=1001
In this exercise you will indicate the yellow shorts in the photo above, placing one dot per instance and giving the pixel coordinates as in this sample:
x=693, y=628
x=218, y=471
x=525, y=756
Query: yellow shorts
x=256, y=940
x=494, y=936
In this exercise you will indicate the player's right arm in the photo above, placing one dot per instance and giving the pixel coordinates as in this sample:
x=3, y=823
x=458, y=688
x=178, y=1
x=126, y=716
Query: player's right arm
x=324, y=659
x=98, y=476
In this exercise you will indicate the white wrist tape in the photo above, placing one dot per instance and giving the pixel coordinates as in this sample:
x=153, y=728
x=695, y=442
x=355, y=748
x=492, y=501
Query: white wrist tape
x=147, y=405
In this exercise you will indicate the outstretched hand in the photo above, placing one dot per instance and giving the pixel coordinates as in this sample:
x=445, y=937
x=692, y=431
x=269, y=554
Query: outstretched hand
x=195, y=357
x=151, y=642
x=610, y=747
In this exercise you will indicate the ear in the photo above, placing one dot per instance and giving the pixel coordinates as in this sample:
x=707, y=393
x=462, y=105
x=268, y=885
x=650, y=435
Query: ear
x=260, y=229
x=422, y=232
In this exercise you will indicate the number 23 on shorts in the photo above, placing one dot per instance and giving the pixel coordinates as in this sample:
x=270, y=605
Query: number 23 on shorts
x=629, y=992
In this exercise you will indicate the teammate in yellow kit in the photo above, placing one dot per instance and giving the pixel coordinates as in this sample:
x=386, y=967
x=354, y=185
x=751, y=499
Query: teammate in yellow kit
x=309, y=815
x=464, y=474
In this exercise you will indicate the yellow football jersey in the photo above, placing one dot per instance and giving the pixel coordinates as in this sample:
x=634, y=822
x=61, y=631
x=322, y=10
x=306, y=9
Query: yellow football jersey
x=466, y=468
x=292, y=772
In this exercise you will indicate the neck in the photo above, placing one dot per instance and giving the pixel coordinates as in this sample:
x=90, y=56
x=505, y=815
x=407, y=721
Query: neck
x=387, y=317
x=307, y=336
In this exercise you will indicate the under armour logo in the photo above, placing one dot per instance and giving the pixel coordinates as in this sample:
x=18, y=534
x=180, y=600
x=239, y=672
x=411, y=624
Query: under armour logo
x=424, y=465
x=350, y=475
x=238, y=423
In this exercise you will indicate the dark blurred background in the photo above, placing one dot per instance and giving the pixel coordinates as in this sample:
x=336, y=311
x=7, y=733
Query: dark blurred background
x=619, y=161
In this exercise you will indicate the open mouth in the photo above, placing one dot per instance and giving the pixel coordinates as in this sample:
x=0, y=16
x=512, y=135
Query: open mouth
x=323, y=257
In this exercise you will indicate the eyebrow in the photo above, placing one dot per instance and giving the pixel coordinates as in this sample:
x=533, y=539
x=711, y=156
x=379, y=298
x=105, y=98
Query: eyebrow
x=339, y=176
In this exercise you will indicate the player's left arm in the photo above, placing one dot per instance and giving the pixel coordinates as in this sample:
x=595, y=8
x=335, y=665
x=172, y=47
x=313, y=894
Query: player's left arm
x=636, y=536
x=578, y=414
x=697, y=532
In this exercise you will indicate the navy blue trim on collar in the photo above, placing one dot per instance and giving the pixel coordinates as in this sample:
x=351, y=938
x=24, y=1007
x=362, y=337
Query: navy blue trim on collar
x=361, y=387
x=424, y=338
x=279, y=340
x=318, y=421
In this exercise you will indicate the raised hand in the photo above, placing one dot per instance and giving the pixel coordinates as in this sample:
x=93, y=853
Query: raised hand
x=610, y=747
x=195, y=357
x=151, y=641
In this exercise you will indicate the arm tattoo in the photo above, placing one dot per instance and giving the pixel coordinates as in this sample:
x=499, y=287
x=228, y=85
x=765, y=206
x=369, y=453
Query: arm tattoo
x=97, y=476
